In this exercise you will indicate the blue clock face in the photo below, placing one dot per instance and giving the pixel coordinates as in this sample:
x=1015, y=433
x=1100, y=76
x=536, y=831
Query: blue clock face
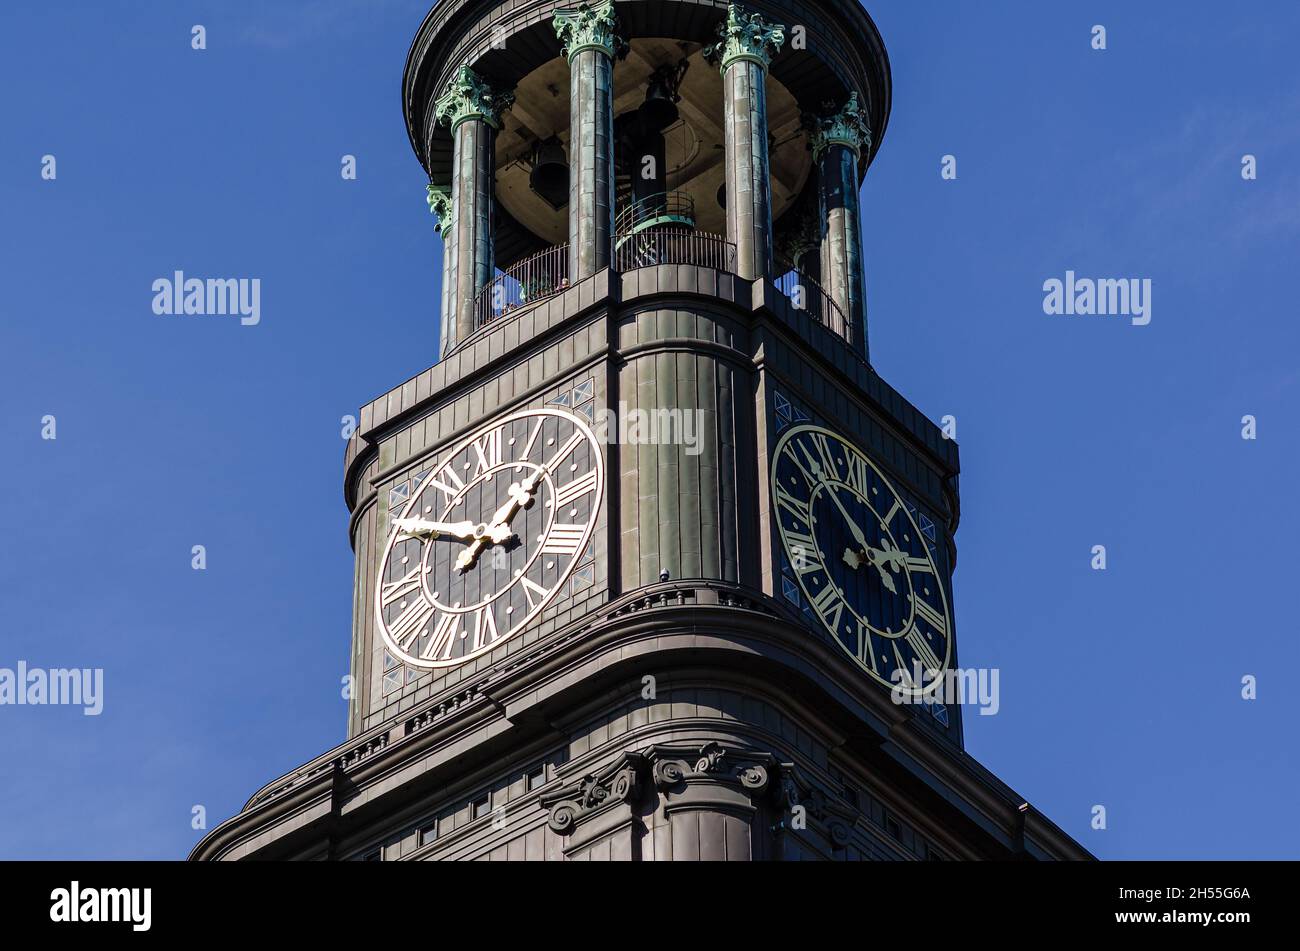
x=860, y=560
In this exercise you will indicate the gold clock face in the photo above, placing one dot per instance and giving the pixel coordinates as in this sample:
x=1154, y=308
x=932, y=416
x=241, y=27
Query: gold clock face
x=860, y=560
x=488, y=538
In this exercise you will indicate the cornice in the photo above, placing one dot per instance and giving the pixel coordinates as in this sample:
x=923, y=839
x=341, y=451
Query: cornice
x=741, y=634
x=460, y=32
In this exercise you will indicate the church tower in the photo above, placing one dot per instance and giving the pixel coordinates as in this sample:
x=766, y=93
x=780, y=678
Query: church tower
x=650, y=564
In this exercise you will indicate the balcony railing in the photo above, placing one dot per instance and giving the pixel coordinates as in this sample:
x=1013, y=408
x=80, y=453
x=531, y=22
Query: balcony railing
x=546, y=274
x=535, y=278
x=664, y=208
x=808, y=295
x=673, y=245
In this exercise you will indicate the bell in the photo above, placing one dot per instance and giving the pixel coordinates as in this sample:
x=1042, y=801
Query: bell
x=549, y=178
x=722, y=195
x=659, y=111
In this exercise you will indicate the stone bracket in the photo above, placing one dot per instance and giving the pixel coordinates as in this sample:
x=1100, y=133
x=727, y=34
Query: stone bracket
x=594, y=794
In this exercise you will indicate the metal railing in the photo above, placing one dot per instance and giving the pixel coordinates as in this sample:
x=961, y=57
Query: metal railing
x=673, y=245
x=535, y=278
x=808, y=295
x=663, y=208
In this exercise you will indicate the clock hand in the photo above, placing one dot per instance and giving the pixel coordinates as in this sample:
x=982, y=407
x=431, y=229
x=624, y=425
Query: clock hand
x=885, y=578
x=895, y=557
x=497, y=530
x=418, y=527
x=853, y=526
x=885, y=557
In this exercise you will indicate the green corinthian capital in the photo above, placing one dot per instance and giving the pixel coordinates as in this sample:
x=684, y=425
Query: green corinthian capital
x=844, y=126
x=589, y=27
x=439, y=205
x=470, y=96
x=745, y=36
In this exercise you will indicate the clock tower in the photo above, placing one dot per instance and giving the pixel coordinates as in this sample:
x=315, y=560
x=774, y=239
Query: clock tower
x=651, y=564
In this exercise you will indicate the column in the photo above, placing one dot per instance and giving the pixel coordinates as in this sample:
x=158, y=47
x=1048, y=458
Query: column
x=717, y=803
x=838, y=140
x=589, y=35
x=798, y=242
x=472, y=108
x=744, y=50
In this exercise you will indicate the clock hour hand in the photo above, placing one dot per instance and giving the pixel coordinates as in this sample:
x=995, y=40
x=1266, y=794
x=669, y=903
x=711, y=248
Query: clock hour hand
x=895, y=557
x=498, y=531
x=872, y=556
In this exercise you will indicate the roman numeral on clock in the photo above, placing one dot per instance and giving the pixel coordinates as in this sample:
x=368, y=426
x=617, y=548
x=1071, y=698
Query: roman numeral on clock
x=563, y=452
x=533, y=590
x=792, y=454
x=528, y=446
x=453, y=484
x=488, y=451
x=485, y=627
x=919, y=564
x=563, y=540
x=444, y=636
x=828, y=606
x=930, y=615
x=570, y=492
x=859, y=475
x=865, y=653
x=814, y=468
x=396, y=590
x=406, y=628
x=924, y=652
x=795, y=506
x=826, y=456
x=804, y=556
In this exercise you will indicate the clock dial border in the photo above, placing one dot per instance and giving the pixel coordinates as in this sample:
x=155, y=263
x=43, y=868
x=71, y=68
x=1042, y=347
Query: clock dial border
x=596, y=475
x=811, y=597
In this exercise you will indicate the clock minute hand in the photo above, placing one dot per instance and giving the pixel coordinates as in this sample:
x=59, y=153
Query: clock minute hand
x=417, y=527
x=853, y=526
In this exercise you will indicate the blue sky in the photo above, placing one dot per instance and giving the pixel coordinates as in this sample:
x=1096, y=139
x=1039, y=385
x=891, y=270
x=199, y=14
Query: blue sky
x=1119, y=687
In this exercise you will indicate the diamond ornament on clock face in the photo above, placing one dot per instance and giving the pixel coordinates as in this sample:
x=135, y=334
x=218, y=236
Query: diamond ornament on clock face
x=488, y=538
